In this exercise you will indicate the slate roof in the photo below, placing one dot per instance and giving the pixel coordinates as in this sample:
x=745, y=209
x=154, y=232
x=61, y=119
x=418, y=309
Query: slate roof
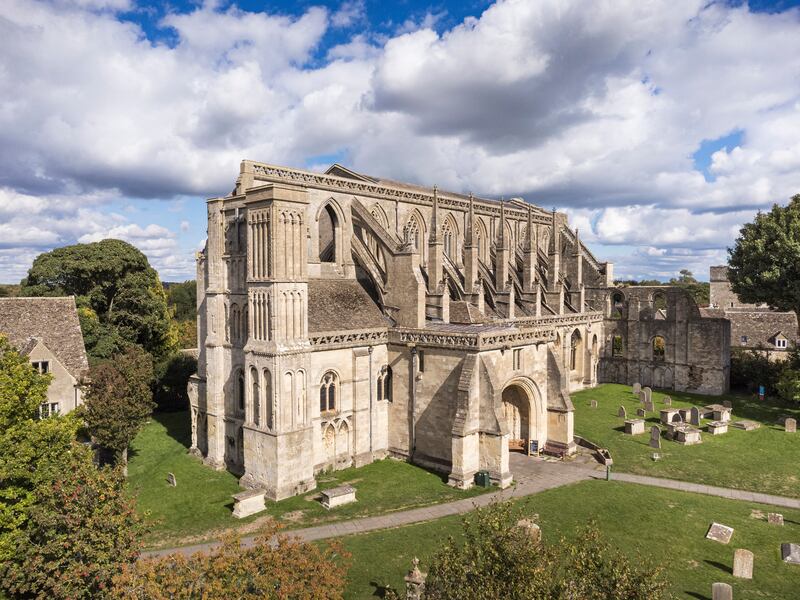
x=341, y=304
x=53, y=321
x=761, y=326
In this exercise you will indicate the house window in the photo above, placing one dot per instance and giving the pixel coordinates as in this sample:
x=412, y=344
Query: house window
x=780, y=343
x=420, y=361
x=327, y=392
x=744, y=340
x=48, y=409
x=516, y=358
x=43, y=366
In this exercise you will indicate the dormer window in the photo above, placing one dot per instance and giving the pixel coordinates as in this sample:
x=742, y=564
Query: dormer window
x=43, y=366
x=780, y=343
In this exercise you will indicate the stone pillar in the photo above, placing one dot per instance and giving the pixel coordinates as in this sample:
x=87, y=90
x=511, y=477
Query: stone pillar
x=501, y=253
x=529, y=283
x=555, y=255
x=415, y=582
x=435, y=248
x=470, y=253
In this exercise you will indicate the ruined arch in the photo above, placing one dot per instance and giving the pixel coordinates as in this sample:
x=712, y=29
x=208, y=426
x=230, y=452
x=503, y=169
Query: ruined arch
x=658, y=346
x=616, y=305
x=660, y=306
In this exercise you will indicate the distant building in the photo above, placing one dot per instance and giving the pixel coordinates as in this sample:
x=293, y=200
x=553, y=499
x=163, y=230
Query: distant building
x=48, y=332
x=753, y=326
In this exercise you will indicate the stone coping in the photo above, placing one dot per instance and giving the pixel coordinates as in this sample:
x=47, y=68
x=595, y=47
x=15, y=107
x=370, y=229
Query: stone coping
x=247, y=494
x=342, y=490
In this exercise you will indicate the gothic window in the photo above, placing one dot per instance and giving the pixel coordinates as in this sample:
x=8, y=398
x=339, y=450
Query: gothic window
x=240, y=392
x=412, y=232
x=385, y=384
x=421, y=361
x=617, y=305
x=517, y=358
x=574, y=345
x=256, y=417
x=268, y=398
x=616, y=345
x=327, y=392
x=328, y=230
x=449, y=233
x=659, y=348
x=660, y=306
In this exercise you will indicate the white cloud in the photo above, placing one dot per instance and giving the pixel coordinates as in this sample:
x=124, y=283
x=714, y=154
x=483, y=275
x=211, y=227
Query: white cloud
x=349, y=13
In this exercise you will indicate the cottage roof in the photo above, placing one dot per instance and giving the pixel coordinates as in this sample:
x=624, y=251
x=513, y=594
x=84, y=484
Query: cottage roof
x=52, y=321
x=761, y=327
x=341, y=304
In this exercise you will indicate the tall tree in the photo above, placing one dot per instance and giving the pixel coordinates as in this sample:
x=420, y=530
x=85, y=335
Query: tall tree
x=120, y=290
x=118, y=400
x=764, y=263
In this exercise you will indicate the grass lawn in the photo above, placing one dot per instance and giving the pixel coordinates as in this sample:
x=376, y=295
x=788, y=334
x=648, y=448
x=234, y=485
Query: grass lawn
x=200, y=506
x=765, y=460
x=667, y=526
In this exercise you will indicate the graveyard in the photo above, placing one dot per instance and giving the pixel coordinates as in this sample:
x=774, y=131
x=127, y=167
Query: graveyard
x=200, y=506
x=763, y=459
x=666, y=526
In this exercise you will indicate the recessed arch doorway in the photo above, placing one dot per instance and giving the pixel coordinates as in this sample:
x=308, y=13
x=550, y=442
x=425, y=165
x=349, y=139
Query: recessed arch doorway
x=519, y=413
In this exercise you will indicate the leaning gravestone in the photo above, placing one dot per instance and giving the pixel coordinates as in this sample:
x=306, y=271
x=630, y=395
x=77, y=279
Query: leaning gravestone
x=637, y=387
x=622, y=412
x=648, y=406
x=640, y=412
x=667, y=401
x=171, y=480
x=721, y=591
x=655, y=437
x=790, y=425
x=719, y=533
x=593, y=403
x=694, y=416
x=642, y=396
x=775, y=519
x=790, y=553
x=743, y=564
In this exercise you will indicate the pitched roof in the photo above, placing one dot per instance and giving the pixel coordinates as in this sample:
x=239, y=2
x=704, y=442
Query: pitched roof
x=52, y=321
x=341, y=304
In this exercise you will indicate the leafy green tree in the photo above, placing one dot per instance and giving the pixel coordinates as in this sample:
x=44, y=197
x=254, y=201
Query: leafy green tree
x=182, y=297
x=22, y=388
x=788, y=385
x=497, y=558
x=276, y=567
x=764, y=263
x=115, y=281
x=172, y=378
x=118, y=400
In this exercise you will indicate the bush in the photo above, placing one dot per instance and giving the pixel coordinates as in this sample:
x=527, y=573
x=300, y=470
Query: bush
x=750, y=368
x=172, y=379
x=789, y=385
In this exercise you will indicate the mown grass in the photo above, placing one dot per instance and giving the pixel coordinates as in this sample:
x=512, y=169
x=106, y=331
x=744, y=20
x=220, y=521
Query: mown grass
x=200, y=506
x=666, y=526
x=764, y=460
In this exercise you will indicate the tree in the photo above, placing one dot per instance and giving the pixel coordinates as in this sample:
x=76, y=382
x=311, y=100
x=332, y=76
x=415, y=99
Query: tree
x=764, y=263
x=276, y=567
x=172, y=379
x=498, y=558
x=118, y=400
x=182, y=297
x=114, y=281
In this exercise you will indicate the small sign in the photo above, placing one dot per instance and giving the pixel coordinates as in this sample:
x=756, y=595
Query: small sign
x=534, y=447
x=761, y=392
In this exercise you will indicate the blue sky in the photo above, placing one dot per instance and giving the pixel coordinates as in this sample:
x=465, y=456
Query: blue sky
x=659, y=128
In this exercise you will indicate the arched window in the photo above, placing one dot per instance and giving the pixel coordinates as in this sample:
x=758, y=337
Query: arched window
x=574, y=346
x=268, y=398
x=450, y=235
x=617, y=305
x=240, y=392
x=328, y=228
x=256, y=417
x=659, y=348
x=412, y=232
x=660, y=306
x=616, y=346
x=327, y=392
x=385, y=384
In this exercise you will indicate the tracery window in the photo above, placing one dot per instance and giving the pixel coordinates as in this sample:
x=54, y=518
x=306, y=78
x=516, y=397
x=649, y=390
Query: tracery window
x=574, y=344
x=240, y=392
x=385, y=384
x=327, y=392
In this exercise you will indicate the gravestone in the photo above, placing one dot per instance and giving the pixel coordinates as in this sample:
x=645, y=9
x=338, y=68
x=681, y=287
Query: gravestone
x=655, y=456
x=694, y=416
x=593, y=403
x=775, y=519
x=248, y=503
x=642, y=396
x=622, y=412
x=531, y=528
x=344, y=494
x=667, y=401
x=637, y=387
x=727, y=404
x=687, y=435
x=640, y=412
x=790, y=425
x=648, y=406
x=668, y=415
x=721, y=591
x=746, y=425
x=648, y=394
x=171, y=480
x=719, y=533
x=790, y=553
x=634, y=426
x=655, y=437
x=743, y=564
x=717, y=427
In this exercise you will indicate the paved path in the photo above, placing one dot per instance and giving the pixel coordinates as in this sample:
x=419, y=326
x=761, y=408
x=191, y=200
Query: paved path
x=532, y=476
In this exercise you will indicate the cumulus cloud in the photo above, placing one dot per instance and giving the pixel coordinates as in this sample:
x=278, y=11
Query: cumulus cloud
x=598, y=107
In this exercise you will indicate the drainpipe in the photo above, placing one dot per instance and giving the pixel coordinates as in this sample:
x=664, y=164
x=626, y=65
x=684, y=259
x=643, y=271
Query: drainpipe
x=413, y=440
x=370, y=402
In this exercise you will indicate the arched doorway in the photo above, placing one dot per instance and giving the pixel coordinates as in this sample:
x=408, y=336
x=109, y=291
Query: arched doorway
x=519, y=420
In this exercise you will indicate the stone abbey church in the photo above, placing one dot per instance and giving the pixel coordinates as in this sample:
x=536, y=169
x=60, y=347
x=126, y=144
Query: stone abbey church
x=345, y=318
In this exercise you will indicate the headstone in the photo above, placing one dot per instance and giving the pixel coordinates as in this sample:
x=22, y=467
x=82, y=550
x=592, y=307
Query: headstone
x=727, y=404
x=790, y=425
x=634, y=426
x=642, y=396
x=622, y=412
x=640, y=412
x=667, y=415
x=171, y=480
x=717, y=427
x=721, y=591
x=743, y=563
x=775, y=519
x=746, y=425
x=248, y=503
x=694, y=416
x=531, y=528
x=637, y=387
x=648, y=406
x=655, y=456
x=415, y=582
x=333, y=497
x=719, y=533
x=667, y=401
x=655, y=437
x=687, y=435
x=648, y=394
x=790, y=553
x=593, y=403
